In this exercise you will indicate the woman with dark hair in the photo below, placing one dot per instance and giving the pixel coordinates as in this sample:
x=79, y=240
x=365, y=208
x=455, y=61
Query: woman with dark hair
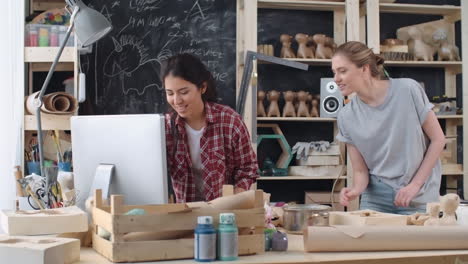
x=393, y=137
x=208, y=145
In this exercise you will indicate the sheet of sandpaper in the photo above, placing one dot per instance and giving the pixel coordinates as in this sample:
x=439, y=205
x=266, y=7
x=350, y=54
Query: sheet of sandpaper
x=382, y=238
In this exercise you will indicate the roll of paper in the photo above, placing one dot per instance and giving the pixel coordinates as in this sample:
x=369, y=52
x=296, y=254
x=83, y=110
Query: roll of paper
x=383, y=238
x=60, y=103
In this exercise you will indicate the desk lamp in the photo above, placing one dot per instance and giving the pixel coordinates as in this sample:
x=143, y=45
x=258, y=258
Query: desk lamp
x=90, y=26
x=249, y=79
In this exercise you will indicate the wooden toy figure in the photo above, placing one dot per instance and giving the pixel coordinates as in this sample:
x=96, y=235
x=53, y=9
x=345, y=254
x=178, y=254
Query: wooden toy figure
x=305, y=50
x=288, y=109
x=273, y=108
x=449, y=204
x=302, y=110
x=314, y=110
x=324, y=46
x=260, y=106
x=433, y=210
x=286, y=50
x=417, y=47
x=446, y=51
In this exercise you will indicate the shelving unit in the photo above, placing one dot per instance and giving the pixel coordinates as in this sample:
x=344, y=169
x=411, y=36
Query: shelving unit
x=345, y=18
x=39, y=59
x=450, y=14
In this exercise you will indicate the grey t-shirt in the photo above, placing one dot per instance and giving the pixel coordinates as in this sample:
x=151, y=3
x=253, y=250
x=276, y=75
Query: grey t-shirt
x=390, y=136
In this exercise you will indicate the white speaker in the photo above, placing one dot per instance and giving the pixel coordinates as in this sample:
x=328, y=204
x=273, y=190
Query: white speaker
x=331, y=100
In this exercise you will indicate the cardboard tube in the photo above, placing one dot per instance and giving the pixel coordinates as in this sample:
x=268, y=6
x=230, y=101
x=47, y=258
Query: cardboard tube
x=54, y=103
x=382, y=238
x=243, y=200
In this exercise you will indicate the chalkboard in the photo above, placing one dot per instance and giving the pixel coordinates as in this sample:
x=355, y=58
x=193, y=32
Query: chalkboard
x=122, y=72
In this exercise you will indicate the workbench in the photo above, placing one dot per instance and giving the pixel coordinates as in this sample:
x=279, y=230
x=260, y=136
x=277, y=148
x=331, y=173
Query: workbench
x=295, y=254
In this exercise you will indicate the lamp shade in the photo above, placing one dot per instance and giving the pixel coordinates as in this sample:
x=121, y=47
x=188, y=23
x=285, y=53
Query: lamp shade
x=90, y=25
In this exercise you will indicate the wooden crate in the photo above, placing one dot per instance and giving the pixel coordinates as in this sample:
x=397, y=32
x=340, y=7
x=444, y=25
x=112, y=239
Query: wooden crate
x=167, y=217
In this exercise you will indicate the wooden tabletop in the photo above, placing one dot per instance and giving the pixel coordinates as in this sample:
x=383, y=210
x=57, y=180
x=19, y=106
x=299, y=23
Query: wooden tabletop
x=295, y=254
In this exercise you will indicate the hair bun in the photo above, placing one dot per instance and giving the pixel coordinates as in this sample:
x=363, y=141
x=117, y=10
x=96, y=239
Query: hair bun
x=379, y=60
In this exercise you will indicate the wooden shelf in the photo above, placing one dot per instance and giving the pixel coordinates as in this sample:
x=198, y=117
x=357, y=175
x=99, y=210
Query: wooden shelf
x=452, y=169
x=283, y=178
x=442, y=10
x=311, y=62
x=41, y=5
x=297, y=119
x=47, y=54
x=49, y=122
x=302, y=5
x=427, y=64
x=449, y=116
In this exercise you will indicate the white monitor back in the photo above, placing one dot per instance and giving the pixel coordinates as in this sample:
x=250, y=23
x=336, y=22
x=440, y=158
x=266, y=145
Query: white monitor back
x=135, y=144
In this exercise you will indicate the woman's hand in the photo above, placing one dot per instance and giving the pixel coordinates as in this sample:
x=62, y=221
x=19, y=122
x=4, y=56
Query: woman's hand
x=406, y=194
x=347, y=195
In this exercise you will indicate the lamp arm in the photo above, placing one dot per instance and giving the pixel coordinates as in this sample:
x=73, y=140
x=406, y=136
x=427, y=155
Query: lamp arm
x=38, y=103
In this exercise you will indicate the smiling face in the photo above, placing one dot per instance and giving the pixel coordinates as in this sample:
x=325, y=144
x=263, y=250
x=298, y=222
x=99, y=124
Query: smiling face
x=347, y=75
x=184, y=97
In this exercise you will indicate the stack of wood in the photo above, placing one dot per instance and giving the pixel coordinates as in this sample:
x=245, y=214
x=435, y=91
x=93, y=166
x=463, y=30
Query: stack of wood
x=319, y=164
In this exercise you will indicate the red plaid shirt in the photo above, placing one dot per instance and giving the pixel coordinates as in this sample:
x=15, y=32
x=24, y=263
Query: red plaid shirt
x=227, y=156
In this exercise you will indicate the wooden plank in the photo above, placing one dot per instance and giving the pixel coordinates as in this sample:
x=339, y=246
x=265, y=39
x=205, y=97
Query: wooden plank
x=287, y=178
x=47, y=54
x=425, y=64
x=45, y=66
x=182, y=221
x=50, y=221
x=442, y=10
x=319, y=161
x=39, y=249
x=44, y=5
x=452, y=169
x=297, y=119
x=317, y=171
x=339, y=22
x=373, y=26
x=302, y=5
x=352, y=20
x=49, y=122
x=334, y=150
x=464, y=41
x=103, y=219
x=167, y=249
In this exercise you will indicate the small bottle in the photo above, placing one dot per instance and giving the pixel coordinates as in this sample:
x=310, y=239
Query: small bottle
x=43, y=37
x=205, y=240
x=33, y=37
x=53, y=36
x=227, y=237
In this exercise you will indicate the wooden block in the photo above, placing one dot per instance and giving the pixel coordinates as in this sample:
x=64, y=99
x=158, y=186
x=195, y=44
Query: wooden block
x=51, y=221
x=319, y=161
x=366, y=217
x=318, y=171
x=332, y=151
x=39, y=250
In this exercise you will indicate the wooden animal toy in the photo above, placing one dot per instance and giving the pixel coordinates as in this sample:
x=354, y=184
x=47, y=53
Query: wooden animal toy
x=324, y=50
x=445, y=51
x=417, y=47
x=304, y=50
x=314, y=109
x=433, y=210
x=449, y=204
x=286, y=50
x=260, y=106
x=288, y=109
x=273, y=108
x=302, y=110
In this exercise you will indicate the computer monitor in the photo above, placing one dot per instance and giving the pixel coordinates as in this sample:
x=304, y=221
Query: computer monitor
x=134, y=144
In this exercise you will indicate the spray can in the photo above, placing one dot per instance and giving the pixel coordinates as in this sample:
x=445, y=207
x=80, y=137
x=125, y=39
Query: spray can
x=227, y=237
x=205, y=240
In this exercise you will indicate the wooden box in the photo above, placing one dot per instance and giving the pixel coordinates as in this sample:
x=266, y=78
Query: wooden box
x=167, y=218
